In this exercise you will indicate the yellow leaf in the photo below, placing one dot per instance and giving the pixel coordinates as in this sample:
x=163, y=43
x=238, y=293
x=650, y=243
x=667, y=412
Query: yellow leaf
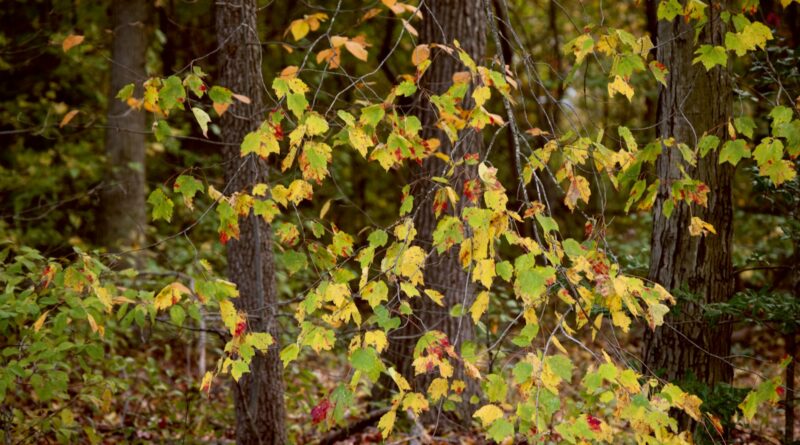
x=488, y=414
x=698, y=227
x=484, y=272
x=410, y=265
x=386, y=424
x=437, y=389
x=299, y=28
x=92, y=323
x=104, y=297
x=40, y=321
x=71, y=41
x=170, y=294
x=67, y=118
x=416, y=402
x=260, y=189
x=399, y=380
x=299, y=190
x=325, y=208
x=205, y=385
x=479, y=306
x=228, y=314
x=559, y=346
x=420, y=54
x=578, y=189
x=620, y=86
x=436, y=296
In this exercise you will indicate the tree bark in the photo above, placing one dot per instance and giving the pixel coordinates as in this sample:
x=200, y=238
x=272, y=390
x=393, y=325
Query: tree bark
x=123, y=214
x=694, y=102
x=260, y=410
x=445, y=21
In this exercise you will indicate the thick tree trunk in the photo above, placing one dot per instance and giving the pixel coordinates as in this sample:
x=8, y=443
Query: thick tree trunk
x=123, y=213
x=693, y=103
x=260, y=411
x=445, y=21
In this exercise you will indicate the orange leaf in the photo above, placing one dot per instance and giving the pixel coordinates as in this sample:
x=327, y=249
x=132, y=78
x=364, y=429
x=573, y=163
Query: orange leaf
x=67, y=117
x=220, y=108
x=357, y=50
x=420, y=54
x=241, y=98
x=71, y=41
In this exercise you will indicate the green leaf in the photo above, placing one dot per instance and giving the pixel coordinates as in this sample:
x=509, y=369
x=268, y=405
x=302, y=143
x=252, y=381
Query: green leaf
x=289, y=354
x=526, y=335
x=707, y=143
x=504, y=270
x=733, y=152
x=711, y=56
x=188, y=186
x=496, y=388
x=522, y=372
x=162, y=205
x=171, y=94
x=220, y=95
x=294, y=261
x=378, y=238
x=449, y=232
x=500, y=430
x=202, y=119
x=297, y=103
x=372, y=115
x=406, y=88
x=375, y=292
x=745, y=125
x=669, y=9
x=125, y=92
x=367, y=361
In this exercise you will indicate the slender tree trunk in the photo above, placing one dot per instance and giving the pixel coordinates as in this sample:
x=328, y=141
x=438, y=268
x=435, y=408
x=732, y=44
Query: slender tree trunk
x=694, y=102
x=123, y=213
x=445, y=21
x=260, y=411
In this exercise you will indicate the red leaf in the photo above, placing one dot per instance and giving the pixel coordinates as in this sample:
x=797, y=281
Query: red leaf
x=320, y=412
x=240, y=328
x=594, y=423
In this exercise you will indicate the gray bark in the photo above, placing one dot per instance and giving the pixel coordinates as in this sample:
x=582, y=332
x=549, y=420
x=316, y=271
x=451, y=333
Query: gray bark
x=260, y=409
x=694, y=102
x=445, y=21
x=123, y=214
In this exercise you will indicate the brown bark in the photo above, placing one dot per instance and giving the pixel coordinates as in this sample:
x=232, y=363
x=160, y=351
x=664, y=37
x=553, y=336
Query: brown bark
x=695, y=101
x=445, y=21
x=123, y=214
x=260, y=410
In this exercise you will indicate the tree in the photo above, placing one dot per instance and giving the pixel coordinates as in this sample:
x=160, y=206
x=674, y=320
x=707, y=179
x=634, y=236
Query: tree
x=696, y=269
x=123, y=214
x=444, y=23
x=260, y=412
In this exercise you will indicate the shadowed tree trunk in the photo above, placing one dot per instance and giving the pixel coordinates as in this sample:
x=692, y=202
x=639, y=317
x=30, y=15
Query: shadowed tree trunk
x=123, y=213
x=260, y=411
x=694, y=102
x=445, y=21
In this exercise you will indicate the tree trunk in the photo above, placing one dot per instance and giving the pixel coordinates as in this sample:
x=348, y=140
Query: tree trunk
x=445, y=21
x=123, y=213
x=260, y=411
x=693, y=103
